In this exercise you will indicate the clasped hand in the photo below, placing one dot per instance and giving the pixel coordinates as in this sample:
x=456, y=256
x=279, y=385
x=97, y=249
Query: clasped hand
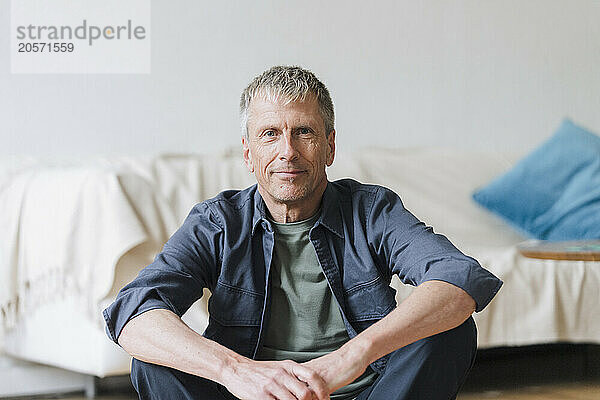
x=288, y=380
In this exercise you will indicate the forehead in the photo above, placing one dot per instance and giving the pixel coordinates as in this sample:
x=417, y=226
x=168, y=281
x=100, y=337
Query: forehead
x=263, y=112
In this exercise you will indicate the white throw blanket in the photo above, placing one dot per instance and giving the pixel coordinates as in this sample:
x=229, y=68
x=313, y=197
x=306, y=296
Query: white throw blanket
x=65, y=226
x=62, y=230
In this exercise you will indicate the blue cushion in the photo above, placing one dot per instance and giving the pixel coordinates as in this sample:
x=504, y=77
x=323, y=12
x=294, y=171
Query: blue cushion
x=554, y=192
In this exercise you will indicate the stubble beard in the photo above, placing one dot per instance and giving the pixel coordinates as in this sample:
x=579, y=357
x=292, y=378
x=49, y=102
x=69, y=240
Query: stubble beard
x=290, y=192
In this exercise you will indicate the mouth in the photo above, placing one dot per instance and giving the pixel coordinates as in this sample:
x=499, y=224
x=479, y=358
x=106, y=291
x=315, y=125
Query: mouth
x=289, y=173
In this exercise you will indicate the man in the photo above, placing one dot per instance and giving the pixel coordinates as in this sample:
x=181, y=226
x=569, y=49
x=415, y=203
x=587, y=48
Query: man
x=299, y=269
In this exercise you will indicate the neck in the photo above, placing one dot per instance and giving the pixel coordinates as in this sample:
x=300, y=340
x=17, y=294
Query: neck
x=293, y=211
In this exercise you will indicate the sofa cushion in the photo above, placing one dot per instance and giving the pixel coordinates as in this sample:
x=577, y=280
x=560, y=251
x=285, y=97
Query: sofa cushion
x=554, y=192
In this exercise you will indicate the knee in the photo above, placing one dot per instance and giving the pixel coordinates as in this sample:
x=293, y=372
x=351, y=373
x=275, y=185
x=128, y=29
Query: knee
x=456, y=347
x=457, y=343
x=468, y=330
x=137, y=367
x=153, y=381
x=150, y=380
x=463, y=336
x=141, y=369
x=143, y=374
x=445, y=358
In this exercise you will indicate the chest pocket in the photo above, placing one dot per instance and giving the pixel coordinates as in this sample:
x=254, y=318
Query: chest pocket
x=234, y=318
x=369, y=302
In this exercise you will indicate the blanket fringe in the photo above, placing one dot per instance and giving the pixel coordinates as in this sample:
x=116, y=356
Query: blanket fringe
x=34, y=293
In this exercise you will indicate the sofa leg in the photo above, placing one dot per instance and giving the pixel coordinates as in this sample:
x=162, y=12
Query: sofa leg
x=90, y=387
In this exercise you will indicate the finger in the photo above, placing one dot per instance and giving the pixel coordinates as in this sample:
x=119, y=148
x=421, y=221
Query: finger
x=281, y=392
x=299, y=388
x=314, y=381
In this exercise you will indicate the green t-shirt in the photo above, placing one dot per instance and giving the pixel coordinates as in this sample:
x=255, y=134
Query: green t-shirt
x=305, y=320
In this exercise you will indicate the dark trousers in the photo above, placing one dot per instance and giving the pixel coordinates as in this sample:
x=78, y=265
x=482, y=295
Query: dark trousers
x=432, y=368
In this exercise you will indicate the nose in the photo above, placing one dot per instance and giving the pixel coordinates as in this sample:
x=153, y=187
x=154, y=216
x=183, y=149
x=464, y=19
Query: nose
x=288, y=150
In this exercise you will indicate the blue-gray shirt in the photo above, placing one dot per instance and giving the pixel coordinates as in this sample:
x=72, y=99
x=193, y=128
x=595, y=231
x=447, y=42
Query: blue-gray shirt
x=363, y=236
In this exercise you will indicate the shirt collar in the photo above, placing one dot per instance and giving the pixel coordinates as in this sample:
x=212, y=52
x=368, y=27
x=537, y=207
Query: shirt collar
x=260, y=211
x=331, y=216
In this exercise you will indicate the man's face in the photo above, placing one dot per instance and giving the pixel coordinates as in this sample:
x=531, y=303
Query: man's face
x=287, y=149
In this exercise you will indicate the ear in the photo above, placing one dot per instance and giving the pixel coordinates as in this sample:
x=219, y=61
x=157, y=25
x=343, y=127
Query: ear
x=331, y=151
x=247, y=154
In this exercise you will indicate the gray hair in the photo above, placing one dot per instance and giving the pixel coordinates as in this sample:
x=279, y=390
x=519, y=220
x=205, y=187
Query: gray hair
x=290, y=84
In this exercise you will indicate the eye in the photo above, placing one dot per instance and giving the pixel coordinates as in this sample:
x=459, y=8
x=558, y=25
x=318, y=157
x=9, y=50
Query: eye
x=304, y=131
x=269, y=133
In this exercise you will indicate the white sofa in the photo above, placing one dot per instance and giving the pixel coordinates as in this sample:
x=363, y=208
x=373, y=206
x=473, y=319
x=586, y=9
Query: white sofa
x=75, y=232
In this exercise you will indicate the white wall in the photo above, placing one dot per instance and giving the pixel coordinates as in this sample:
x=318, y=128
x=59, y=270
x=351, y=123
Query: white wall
x=479, y=74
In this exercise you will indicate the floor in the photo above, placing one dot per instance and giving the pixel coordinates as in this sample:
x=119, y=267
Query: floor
x=581, y=391
x=572, y=391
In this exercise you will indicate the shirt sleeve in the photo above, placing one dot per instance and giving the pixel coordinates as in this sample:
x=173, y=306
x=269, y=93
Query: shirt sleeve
x=416, y=254
x=175, y=279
